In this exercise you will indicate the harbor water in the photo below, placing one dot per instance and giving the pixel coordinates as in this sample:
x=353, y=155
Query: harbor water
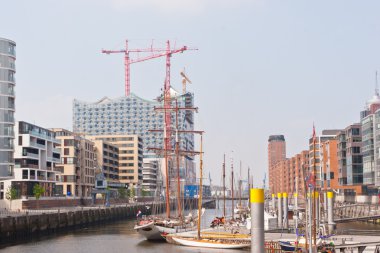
x=120, y=237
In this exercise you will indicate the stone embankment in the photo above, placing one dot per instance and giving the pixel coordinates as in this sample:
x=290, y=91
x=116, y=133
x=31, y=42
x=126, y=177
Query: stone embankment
x=26, y=224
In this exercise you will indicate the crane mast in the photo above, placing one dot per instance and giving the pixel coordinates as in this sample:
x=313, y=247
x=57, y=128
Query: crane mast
x=154, y=53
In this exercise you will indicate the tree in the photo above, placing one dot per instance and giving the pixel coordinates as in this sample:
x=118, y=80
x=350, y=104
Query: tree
x=122, y=193
x=10, y=195
x=131, y=193
x=38, y=190
x=144, y=192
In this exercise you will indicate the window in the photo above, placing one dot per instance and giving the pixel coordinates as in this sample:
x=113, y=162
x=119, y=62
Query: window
x=68, y=142
x=24, y=174
x=66, y=151
x=68, y=190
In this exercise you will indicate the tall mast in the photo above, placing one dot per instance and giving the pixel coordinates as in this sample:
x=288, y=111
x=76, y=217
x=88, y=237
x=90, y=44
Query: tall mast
x=249, y=186
x=224, y=185
x=314, y=190
x=232, y=185
x=240, y=185
x=200, y=189
x=167, y=199
x=177, y=156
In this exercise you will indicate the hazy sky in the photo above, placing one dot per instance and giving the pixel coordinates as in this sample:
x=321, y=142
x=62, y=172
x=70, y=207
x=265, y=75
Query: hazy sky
x=263, y=67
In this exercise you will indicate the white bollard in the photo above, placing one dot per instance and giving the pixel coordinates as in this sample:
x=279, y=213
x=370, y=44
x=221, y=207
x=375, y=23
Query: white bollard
x=257, y=221
x=295, y=215
x=279, y=210
x=317, y=218
x=330, y=213
x=325, y=207
x=286, y=207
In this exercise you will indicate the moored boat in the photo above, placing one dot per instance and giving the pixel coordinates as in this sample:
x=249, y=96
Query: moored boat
x=211, y=243
x=147, y=229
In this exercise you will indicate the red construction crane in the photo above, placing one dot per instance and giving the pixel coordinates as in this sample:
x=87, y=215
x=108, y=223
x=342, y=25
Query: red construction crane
x=155, y=53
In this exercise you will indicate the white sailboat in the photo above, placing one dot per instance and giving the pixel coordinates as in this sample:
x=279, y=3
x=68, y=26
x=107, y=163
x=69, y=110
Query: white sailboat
x=211, y=243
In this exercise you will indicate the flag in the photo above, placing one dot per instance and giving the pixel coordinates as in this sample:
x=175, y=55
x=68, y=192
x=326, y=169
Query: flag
x=138, y=213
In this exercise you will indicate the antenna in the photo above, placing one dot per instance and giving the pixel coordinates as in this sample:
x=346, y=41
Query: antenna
x=376, y=85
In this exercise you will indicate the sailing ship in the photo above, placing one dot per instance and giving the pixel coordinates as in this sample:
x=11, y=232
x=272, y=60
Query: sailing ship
x=155, y=227
x=218, y=241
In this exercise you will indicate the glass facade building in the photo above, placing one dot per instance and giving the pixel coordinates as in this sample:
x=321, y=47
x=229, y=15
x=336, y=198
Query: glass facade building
x=7, y=106
x=136, y=116
x=350, y=158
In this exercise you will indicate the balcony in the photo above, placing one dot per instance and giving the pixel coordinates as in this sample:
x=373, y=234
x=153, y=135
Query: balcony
x=57, y=150
x=33, y=166
x=43, y=136
x=41, y=178
x=58, y=169
x=36, y=145
x=33, y=155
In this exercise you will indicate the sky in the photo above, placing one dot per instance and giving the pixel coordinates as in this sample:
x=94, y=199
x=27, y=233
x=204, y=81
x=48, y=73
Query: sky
x=263, y=66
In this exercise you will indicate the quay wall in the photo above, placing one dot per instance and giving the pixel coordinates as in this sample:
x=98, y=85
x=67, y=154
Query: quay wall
x=21, y=226
x=31, y=224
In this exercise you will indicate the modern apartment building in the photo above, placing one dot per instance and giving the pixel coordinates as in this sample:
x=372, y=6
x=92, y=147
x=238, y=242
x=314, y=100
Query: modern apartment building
x=133, y=115
x=7, y=106
x=369, y=149
x=107, y=155
x=276, y=153
x=350, y=158
x=152, y=180
x=36, y=159
x=330, y=162
x=289, y=174
x=78, y=164
x=130, y=157
x=315, y=154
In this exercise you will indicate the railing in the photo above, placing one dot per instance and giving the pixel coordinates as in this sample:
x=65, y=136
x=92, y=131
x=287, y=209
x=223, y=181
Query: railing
x=33, y=166
x=32, y=155
x=59, y=169
x=36, y=145
x=42, y=136
x=272, y=247
x=41, y=178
